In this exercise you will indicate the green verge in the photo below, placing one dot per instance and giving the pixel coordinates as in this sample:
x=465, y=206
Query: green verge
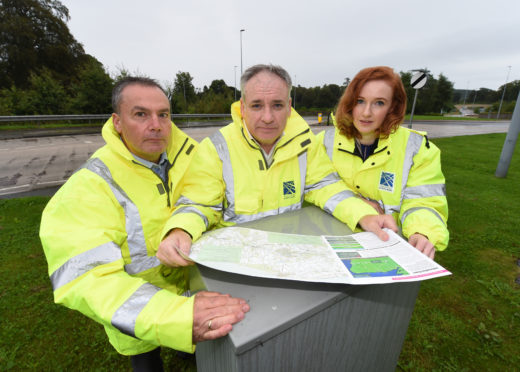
x=31, y=126
x=35, y=333
x=465, y=322
x=67, y=125
x=471, y=320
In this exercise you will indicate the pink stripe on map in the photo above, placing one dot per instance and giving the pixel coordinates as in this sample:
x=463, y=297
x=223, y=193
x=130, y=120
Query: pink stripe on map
x=421, y=275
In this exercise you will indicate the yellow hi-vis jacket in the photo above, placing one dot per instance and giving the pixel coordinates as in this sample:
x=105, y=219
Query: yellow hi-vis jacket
x=100, y=233
x=229, y=181
x=403, y=175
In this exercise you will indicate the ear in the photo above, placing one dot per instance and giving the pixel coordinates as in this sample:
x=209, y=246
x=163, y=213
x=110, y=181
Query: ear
x=290, y=108
x=117, y=123
x=242, y=106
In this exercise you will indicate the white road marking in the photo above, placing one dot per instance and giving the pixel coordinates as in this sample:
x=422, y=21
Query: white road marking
x=29, y=187
x=14, y=187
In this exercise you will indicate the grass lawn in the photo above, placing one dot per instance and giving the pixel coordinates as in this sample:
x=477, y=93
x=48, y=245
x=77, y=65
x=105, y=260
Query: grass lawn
x=465, y=322
x=47, y=125
x=470, y=321
x=35, y=333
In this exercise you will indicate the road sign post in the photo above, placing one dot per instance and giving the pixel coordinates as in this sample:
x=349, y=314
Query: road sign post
x=417, y=82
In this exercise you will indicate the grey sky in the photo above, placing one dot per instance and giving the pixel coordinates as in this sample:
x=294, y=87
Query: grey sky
x=319, y=42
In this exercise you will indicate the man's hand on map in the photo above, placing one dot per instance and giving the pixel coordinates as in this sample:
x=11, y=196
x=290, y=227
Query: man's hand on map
x=214, y=315
x=175, y=249
x=422, y=244
x=376, y=223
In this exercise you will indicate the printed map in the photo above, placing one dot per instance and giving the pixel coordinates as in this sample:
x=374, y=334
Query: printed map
x=351, y=259
x=255, y=252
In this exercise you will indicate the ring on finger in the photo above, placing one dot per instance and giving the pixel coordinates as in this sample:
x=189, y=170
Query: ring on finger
x=209, y=323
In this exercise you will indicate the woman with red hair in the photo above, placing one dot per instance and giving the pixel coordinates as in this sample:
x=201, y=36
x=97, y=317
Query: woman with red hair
x=398, y=170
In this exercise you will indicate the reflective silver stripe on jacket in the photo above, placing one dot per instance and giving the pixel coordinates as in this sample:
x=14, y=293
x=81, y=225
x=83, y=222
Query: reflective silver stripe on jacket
x=125, y=316
x=411, y=210
x=302, y=163
x=229, y=214
x=412, y=148
x=220, y=144
x=134, y=227
x=192, y=210
x=84, y=262
x=328, y=141
x=184, y=200
x=390, y=209
x=334, y=200
x=325, y=181
x=425, y=191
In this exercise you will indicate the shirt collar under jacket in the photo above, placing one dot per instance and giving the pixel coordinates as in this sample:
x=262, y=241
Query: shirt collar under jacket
x=160, y=168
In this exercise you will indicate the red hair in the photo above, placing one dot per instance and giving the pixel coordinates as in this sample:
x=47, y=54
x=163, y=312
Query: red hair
x=395, y=115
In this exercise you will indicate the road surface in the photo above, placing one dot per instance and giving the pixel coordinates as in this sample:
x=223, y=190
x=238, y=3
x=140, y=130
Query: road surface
x=39, y=165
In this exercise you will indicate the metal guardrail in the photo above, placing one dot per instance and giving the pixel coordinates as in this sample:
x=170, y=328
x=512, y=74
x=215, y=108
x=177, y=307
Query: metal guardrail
x=37, y=118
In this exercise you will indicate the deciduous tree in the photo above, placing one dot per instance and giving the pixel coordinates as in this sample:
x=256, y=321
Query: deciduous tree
x=93, y=89
x=34, y=35
x=183, y=92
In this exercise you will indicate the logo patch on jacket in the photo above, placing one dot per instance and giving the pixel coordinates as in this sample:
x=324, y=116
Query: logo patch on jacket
x=289, y=190
x=386, y=182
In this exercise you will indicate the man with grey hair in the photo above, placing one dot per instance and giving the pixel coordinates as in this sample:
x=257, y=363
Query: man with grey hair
x=265, y=163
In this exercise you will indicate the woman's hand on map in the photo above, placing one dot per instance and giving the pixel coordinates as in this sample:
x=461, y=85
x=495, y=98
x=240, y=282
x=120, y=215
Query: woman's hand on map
x=422, y=244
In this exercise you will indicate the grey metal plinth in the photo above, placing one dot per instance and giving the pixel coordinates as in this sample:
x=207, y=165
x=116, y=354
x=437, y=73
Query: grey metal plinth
x=299, y=326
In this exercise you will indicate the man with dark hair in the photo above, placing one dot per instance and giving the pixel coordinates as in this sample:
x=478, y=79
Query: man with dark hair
x=265, y=163
x=102, y=229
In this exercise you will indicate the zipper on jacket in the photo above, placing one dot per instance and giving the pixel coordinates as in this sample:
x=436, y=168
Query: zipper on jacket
x=355, y=154
x=296, y=136
x=178, y=153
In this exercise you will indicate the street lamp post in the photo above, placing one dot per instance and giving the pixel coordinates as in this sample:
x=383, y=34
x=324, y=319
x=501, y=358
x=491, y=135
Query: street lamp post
x=465, y=96
x=236, y=83
x=241, y=68
x=503, y=93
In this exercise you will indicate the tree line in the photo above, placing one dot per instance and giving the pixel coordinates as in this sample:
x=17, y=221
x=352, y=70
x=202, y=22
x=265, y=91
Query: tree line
x=45, y=70
x=489, y=96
